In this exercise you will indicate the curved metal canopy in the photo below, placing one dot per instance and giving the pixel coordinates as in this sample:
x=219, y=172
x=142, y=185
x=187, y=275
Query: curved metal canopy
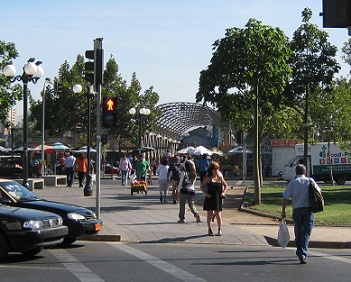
x=177, y=118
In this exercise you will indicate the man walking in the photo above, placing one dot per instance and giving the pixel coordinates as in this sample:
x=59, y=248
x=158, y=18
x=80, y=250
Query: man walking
x=173, y=176
x=298, y=191
x=69, y=167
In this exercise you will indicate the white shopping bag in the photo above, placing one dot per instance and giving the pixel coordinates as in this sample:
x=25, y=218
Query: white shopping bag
x=283, y=234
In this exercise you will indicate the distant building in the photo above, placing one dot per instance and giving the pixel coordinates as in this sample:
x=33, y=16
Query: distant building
x=208, y=136
x=6, y=132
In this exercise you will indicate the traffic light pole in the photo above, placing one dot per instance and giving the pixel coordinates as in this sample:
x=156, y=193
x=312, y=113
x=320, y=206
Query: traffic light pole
x=98, y=46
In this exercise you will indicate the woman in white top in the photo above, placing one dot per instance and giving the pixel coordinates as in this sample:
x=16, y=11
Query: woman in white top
x=163, y=183
x=186, y=191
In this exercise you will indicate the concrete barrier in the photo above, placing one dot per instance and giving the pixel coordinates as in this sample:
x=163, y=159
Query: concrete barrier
x=55, y=180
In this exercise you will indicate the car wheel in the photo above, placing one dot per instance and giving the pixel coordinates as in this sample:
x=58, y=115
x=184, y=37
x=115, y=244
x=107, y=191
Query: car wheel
x=5, y=248
x=68, y=240
x=32, y=252
x=341, y=180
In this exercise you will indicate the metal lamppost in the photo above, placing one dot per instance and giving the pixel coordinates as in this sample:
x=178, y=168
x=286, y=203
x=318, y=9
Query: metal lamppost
x=47, y=80
x=77, y=88
x=142, y=112
x=31, y=73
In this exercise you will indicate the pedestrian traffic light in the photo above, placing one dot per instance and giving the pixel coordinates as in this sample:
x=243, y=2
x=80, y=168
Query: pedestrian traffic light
x=94, y=67
x=109, y=112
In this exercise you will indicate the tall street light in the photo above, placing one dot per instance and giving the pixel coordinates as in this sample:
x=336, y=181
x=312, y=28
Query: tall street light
x=77, y=88
x=47, y=80
x=31, y=73
x=142, y=112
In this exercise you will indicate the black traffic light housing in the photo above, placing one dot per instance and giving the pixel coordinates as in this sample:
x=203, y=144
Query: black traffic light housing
x=104, y=139
x=109, y=112
x=336, y=13
x=94, y=67
x=58, y=87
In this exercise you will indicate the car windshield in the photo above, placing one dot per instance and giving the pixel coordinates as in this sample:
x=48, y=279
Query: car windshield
x=18, y=191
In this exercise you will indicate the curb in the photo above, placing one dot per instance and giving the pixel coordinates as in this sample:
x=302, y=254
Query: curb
x=101, y=237
x=312, y=244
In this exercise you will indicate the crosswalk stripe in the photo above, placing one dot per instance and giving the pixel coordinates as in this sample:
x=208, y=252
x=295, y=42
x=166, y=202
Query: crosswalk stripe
x=160, y=264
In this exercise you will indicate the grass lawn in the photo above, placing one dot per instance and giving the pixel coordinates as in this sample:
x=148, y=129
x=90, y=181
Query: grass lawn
x=337, y=200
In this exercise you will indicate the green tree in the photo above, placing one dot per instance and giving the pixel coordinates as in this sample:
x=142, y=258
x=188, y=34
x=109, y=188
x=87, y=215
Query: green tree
x=125, y=131
x=8, y=94
x=314, y=66
x=248, y=72
x=67, y=111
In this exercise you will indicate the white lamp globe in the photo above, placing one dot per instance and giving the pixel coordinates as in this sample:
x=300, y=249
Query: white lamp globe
x=9, y=71
x=30, y=68
x=39, y=73
x=77, y=88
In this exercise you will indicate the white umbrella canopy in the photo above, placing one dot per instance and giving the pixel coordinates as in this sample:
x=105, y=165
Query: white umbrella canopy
x=20, y=148
x=187, y=150
x=217, y=151
x=201, y=150
x=84, y=150
x=47, y=149
x=3, y=149
x=238, y=150
x=60, y=147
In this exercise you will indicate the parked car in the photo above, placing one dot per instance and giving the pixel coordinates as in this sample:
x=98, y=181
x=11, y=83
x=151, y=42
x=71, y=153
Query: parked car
x=28, y=231
x=79, y=220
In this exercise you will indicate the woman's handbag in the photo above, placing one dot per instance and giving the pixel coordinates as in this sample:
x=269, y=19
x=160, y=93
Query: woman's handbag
x=316, y=198
x=283, y=234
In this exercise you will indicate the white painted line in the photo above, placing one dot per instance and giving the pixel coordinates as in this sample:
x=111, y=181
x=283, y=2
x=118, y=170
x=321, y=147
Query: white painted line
x=331, y=257
x=75, y=267
x=160, y=264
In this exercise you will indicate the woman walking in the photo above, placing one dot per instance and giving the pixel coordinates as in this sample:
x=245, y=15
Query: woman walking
x=186, y=191
x=125, y=167
x=216, y=187
x=163, y=183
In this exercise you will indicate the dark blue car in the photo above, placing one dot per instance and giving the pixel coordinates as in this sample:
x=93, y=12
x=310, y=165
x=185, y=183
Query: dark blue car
x=28, y=231
x=79, y=220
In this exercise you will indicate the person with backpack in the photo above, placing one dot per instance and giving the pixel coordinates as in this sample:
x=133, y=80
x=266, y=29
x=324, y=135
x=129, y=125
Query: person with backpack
x=173, y=176
x=298, y=191
x=186, y=191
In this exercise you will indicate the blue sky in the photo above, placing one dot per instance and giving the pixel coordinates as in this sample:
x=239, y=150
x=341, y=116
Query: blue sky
x=167, y=43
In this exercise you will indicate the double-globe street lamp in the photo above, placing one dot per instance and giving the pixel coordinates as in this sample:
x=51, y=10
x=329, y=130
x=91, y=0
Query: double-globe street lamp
x=77, y=88
x=142, y=112
x=31, y=73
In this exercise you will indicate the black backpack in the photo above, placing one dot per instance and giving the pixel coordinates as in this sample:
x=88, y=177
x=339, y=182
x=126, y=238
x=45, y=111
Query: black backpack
x=176, y=170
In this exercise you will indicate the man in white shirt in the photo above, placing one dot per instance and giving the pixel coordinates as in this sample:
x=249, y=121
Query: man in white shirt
x=298, y=191
x=69, y=167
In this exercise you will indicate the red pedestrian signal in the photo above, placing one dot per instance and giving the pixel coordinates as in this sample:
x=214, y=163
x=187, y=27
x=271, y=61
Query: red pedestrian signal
x=110, y=105
x=109, y=112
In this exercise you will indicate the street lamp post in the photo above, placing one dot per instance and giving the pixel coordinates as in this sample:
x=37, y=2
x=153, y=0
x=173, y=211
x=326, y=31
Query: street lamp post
x=142, y=112
x=47, y=80
x=77, y=88
x=31, y=73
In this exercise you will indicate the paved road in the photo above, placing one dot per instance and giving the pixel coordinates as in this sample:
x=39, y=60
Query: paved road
x=115, y=261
